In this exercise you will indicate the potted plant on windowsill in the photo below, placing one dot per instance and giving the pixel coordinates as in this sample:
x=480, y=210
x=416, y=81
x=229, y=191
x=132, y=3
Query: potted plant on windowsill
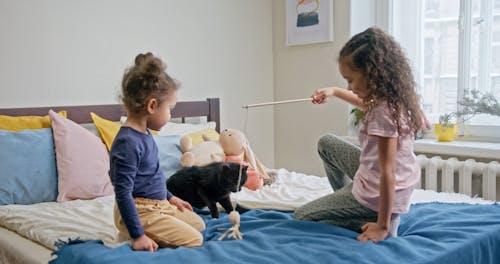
x=446, y=129
x=477, y=103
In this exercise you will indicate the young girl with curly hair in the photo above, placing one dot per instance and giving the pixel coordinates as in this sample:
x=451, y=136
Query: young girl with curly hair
x=372, y=183
x=145, y=210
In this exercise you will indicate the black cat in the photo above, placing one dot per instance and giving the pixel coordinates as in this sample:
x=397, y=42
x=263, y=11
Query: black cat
x=206, y=185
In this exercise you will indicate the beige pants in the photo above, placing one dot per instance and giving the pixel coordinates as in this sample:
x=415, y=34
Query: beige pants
x=165, y=224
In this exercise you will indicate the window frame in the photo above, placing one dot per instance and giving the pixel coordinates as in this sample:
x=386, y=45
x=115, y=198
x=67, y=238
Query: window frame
x=413, y=43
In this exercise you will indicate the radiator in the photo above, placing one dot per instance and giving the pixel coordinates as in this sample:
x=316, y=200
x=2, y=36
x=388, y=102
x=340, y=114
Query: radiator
x=447, y=169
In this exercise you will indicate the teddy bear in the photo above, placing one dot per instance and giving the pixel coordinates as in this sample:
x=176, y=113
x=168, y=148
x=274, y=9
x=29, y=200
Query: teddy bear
x=202, y=154
x=232, y=146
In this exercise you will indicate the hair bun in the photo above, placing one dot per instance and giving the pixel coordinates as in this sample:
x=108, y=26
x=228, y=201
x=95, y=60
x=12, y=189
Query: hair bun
x=149, y=67
x=142, y=58
x=152, y=67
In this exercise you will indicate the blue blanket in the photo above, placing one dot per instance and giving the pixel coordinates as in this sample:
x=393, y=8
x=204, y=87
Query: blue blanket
x=429, y=233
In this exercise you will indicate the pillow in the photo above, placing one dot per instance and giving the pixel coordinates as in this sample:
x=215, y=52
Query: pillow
x=28, y=164
x=169, y=154
x=17, y=123
x=82, y=161
x=107, y=129
x=92, y=128
x=197, y=138
x=172, y=128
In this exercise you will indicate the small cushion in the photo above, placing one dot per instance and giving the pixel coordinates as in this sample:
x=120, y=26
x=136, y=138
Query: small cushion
x=197, y=138
x=17, y=123
x=107, y=129
x=174, y=128
x=169, y=154
x=82, y=161
x=28, y=164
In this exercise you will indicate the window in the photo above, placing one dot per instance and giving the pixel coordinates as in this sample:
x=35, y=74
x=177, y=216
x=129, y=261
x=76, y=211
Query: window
x=454, y=47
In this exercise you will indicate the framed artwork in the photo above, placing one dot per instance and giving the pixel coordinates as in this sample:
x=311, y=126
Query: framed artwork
x=309, y=21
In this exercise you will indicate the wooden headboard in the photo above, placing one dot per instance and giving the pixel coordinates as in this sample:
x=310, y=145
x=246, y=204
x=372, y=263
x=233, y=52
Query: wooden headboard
x=80, y=114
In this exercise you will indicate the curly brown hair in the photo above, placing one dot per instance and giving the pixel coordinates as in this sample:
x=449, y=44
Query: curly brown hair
x=388, y=74
x=145, y=80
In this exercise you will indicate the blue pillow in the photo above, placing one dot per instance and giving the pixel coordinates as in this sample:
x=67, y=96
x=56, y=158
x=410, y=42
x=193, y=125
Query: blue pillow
x=169, y=154
x=28, y=167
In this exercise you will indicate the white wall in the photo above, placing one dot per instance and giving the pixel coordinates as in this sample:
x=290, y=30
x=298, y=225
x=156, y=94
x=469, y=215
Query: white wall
x=298, y=70
x=70, y=52
x=363, y=15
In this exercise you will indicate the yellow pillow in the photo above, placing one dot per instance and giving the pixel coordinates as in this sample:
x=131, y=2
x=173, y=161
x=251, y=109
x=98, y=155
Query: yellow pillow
x=197, y=139
x=107, y=129
x=17, y=123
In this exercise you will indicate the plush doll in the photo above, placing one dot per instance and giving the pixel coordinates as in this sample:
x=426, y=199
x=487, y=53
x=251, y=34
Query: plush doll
x=231, y=147
x=237, y=149
x=202, y=154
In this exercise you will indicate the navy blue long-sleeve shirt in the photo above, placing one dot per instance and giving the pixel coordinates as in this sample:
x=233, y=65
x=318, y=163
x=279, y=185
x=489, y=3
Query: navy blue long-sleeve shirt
x=135, y=172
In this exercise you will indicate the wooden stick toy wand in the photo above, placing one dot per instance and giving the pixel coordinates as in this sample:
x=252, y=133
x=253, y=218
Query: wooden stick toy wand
x=277, y=102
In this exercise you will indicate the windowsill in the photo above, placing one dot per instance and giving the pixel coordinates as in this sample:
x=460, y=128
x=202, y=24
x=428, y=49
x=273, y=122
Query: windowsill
x=485, y=150
x=473, y=149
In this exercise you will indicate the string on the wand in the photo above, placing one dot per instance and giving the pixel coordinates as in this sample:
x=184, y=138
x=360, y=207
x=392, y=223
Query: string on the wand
x=234, y=216
x=245, y=122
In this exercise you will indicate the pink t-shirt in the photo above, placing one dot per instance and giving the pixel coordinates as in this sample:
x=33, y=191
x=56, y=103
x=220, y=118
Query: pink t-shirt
x=380, y=123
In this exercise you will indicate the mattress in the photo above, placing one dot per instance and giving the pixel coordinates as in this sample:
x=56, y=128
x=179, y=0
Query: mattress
x=16, y=249
x=430, y=233
x=41, y=227
x=51, y=222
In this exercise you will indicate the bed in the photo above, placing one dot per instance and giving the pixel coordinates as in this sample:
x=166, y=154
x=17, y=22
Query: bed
x=440, y=227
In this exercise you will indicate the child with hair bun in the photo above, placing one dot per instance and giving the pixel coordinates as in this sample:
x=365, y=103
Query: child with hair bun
x=145, y=210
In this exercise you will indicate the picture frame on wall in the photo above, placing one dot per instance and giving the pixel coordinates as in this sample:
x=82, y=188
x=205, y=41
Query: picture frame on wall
x=309, y=21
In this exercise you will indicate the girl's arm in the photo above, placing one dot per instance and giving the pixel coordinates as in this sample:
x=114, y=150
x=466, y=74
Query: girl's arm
x=387, y=148
x=322, y=95
x=387, y=157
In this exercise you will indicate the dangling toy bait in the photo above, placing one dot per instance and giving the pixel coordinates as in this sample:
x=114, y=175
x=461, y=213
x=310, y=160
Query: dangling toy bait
x=234, y=218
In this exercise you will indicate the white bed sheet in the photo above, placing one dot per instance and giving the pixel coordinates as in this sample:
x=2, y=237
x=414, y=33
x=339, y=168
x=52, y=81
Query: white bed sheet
x=293, y=189
x=47, y=223
x=289, y=191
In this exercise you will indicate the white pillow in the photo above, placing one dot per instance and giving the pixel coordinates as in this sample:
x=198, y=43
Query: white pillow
x=172, y=128
x=184, y=128
x=92, y=128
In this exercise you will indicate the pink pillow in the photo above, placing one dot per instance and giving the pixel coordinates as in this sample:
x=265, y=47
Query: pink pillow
x=82, y=161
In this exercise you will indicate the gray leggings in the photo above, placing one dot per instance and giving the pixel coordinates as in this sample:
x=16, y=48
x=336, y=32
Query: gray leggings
x=341, y=161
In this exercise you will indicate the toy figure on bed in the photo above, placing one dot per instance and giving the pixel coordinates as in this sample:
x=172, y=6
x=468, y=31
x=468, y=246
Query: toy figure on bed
x=237, y=149
x=231, y=147
x=206, y=185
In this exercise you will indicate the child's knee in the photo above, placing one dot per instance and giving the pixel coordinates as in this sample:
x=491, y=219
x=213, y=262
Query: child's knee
x=190, y=238
x=329, y=145
x=326, y=142
x=199, y=225
x=300, y=214
x=192, y=219
x=196, y=241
